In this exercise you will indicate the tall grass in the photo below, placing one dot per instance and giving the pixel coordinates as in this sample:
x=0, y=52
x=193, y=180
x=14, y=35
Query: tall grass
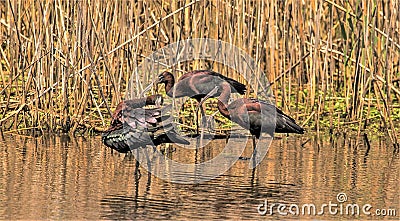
x=332, y=64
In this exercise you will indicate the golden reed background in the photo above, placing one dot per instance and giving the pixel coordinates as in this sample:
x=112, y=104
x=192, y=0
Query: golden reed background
x=333, y=64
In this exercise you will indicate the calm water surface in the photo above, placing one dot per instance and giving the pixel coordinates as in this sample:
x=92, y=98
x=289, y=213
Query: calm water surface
x=78, y=178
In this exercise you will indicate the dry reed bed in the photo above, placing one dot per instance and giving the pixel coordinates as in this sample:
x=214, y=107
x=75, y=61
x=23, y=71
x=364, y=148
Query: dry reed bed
x=66, y=64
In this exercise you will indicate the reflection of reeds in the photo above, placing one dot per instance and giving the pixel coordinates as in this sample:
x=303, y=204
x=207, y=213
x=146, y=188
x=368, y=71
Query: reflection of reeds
x=65, y=64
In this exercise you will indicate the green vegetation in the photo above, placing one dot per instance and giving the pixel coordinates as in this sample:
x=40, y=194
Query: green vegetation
x=332, y=65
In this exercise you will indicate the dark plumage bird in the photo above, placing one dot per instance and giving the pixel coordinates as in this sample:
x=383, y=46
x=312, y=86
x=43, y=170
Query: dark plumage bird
x=255, y=115
x=197, y=84
x=133, y=126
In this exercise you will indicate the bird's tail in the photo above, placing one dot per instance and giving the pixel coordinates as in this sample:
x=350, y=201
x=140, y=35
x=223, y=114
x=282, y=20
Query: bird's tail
x=165, y=132
x=286, y=124
x=115, y=139
x=239, y=87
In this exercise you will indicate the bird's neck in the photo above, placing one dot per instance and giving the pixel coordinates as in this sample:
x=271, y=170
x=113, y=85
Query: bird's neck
x=169, y=84
x=168, y=87
x=223, y=109
x=223, y=100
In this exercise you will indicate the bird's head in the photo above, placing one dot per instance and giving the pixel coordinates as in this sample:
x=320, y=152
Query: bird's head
x=165, y=77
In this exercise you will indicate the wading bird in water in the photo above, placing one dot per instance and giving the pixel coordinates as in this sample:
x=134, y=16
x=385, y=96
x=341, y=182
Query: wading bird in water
x=255, y=115
x=133, y=126
x=197, y=84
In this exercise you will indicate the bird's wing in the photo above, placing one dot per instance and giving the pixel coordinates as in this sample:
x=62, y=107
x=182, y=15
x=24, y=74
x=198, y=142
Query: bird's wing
x=267, y=108
x=284, y=123
x=141, y=118
x=237, y=87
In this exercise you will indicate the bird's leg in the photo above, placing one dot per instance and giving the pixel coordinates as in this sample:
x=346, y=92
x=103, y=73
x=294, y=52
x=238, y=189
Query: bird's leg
x=211, y=122
x=200, y=105
x=254, y=155
x=202, y=127
x=148, y=161
x=254, y=142
x=137, y=172
x=137, y=156
x=129, y=154
x=227, y=138
x=203, y=116
x=197, y=119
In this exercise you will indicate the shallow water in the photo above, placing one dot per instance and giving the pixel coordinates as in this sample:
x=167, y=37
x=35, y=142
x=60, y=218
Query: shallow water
x=78, y=178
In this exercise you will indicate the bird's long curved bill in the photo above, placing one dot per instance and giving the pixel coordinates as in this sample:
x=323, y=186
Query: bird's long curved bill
x=146, y=89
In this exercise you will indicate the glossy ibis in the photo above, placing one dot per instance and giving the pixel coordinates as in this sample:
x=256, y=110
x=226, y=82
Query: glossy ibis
x=257, y=116
x=197, y=84
x=133, y=126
